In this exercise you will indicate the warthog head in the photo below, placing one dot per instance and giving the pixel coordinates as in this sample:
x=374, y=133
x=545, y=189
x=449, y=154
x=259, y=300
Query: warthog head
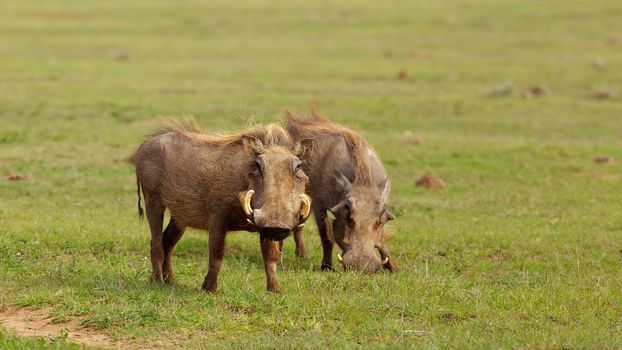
x=359, y=224
x=276, y=202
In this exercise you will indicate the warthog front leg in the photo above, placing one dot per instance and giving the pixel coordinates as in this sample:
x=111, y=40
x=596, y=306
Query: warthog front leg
x=301, y=252
x=171, y=236
x=271, y=253
x=327, y=240
x=217, y=235
x=155, y=215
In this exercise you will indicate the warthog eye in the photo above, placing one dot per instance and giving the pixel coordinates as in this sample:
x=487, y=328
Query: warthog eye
x=347, y=210
x=299, y=172
x=256, y=168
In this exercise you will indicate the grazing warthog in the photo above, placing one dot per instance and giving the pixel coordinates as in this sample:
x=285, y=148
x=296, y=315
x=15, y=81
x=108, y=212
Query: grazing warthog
x=250, y=181
x=347, y=179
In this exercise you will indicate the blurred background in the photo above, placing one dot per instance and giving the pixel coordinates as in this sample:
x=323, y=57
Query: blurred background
x=514, y=105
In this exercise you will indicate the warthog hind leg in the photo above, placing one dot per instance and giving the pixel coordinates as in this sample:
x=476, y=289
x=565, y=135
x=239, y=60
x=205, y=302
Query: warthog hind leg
x=301, y=251
x=170, y=237
x=155, y=216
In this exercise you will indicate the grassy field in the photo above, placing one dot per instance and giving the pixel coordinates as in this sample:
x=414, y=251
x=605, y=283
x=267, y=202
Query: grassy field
x=521, y=249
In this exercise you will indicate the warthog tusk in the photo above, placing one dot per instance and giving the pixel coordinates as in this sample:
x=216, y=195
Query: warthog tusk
x=339, y=257
x=306, y=206
x=245, y=200
x=386, y=260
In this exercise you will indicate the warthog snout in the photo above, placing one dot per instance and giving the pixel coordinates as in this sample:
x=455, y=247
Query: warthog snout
x=276, y=218
x=265, y=221
x=362, y=258
x=364, y=262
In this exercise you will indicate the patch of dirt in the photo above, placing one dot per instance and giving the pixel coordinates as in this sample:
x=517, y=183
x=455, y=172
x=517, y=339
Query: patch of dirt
x=15, y=177
x=421, y=54
x=451, y=318
x=410, y=138
x=496, y=257
x=389, y=53
x=599, y=64
x=506, y=89
x=122, y=56
x=553, y=319
x=535, y=91
x=603, y=94
x=604, y=160
x=403, y=74
x=430, y=182
x=26, y=322
x=614, y=40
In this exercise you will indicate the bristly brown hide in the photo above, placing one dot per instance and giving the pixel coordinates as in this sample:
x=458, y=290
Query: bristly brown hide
x=198, y=177
x=357, y=145
x=348, y=182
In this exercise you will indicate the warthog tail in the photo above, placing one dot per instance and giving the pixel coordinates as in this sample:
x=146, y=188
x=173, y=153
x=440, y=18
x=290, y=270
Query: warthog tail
x=141, y=211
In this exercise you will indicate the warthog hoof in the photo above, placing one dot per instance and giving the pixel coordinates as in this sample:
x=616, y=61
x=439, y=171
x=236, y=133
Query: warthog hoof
x=170, y=279
x=273, y=287
x=302, y=254
x=209, y=285
x=157, y=278
x=327, y=267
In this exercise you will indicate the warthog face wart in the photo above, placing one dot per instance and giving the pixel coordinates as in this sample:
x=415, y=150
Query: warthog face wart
x=276, y=202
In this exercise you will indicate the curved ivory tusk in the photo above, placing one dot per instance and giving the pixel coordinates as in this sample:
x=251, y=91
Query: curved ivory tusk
x=386, y=260
x=246, y=202
x=305, y=211
x=339, y=257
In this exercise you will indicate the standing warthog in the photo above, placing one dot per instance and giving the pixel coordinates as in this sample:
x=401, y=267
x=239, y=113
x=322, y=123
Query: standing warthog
x=346, y=178
x=250, y=181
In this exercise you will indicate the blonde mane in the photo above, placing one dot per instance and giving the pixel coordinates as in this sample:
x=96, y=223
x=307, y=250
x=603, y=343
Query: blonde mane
x=270, y=135
x=358, y=147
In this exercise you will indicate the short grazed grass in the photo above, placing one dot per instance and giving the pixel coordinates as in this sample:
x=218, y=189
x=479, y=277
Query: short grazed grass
x=521, y=249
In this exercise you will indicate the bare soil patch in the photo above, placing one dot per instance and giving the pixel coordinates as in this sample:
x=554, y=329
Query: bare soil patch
x=614, y=40
x=410, y=138
x=26, y=322
x=603, y=94
x=403, y=74
x=604, y=160
x=430, y=182
x=535, y=91
x=599, y=64
x=15, y=177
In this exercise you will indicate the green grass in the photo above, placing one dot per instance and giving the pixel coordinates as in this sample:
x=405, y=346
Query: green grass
x=520, y=250
x=10, y=341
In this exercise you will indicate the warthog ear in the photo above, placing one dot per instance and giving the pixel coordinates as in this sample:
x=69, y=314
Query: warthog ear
x=342, y=208
x=343, y=182
x=304, y=148
x=252, y=145
x=389, y=215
